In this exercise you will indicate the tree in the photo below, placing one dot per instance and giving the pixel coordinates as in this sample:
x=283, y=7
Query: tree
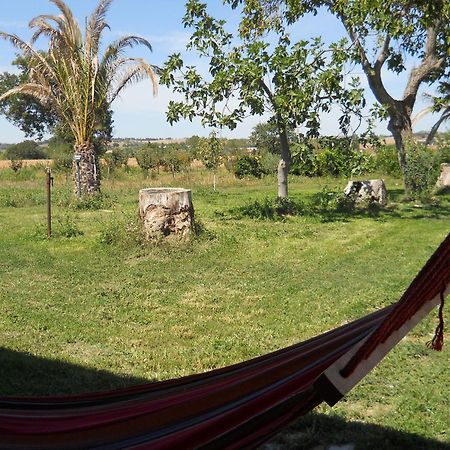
x=24, y=111
x=392, y=30
x=292, y=81
x=25, y=150
x=264, y=137
x=75, y=81
x=210, y=151
x=148, y=157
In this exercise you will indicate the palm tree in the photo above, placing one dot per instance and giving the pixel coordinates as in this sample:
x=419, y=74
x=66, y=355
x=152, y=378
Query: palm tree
x=76, y=81
x=442, y=105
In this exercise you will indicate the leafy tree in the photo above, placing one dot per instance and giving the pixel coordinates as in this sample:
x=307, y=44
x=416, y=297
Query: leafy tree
x=265, y=137
x=174, y=158
x=75, y=80
x=24, y=111
x=210, y=151
x=148, y=158
x=25, y=150
x=393, y=31
x=292, y=81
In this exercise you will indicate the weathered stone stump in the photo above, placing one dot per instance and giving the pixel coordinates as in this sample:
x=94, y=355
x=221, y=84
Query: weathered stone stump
x=444, y=177
x=367, y=192
x=166, y=211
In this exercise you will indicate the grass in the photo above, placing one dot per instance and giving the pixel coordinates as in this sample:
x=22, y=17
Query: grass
x=78, y=314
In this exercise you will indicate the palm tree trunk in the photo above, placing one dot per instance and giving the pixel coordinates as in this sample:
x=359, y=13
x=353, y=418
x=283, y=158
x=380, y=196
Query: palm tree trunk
x=86, y=170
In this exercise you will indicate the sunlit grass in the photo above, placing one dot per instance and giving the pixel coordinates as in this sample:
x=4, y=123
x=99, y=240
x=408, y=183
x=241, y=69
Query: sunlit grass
x=244, y=288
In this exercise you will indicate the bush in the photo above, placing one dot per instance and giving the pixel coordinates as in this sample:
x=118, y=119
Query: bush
x=66, y=226
x=444, y=151
x=331, y=200
x=62, y=163
x=272, y=209
x=330, y=156
x=93, y=202
x=330, y=162
x=16, y=164
x=268, y=162
x=304, y=160
x=124, y=231
x=386, y=161
x=119, y=157
x=248, y=166
x=422, y=171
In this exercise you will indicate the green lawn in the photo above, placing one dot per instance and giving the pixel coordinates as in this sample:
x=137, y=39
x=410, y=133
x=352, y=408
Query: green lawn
x=77, y=314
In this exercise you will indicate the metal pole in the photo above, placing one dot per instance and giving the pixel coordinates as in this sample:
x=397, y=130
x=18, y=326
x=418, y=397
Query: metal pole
x=49, y=202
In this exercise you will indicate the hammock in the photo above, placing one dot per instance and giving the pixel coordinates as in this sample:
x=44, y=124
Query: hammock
x=239, y=406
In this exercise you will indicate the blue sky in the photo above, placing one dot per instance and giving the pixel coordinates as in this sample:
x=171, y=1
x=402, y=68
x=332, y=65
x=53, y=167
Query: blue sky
x=137, y=113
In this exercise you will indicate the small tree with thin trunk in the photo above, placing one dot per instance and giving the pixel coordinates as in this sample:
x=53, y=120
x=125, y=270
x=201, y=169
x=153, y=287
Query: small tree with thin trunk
x=75, y=81
x=210, y=151
x=384, y=34
x=291, y=81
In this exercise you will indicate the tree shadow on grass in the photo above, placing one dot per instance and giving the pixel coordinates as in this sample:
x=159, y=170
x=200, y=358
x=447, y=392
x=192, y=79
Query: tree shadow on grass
x=318, y=431
x=26, y=374
x=333, y=207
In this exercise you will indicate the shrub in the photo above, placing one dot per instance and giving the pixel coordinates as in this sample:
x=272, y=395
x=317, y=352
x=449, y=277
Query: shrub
x=386, y=161
x=248, y=166
x=119, y=157
x=330, y=163
x=330, y=156
x=422, y=171
x=66, y=226
x=331, y=200
x=443, y=153
x=268, y=162
x=93, y=202
x=62, y=163
x=16, y=164
x=272, y=209
x=304, y=160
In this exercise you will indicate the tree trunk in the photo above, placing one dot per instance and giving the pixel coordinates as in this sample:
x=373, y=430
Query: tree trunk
x=284, y=164
x=400, y=127
x=86, y=170
x=166, y=211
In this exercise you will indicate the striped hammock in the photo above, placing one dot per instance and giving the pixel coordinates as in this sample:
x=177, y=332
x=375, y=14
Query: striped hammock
x=239, y=406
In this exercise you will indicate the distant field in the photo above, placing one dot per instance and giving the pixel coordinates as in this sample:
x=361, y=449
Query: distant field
x=4, y=163
x=98, y=310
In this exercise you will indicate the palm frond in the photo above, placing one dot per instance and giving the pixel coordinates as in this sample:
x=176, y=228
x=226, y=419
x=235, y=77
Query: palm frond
x=37, y=91
x=44, y=27
x=70, y=25
x=96, y=25
x=138, y=72
x=116, y=48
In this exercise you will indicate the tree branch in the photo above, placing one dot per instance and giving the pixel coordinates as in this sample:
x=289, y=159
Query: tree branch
x=373, y=73
x=430, y=63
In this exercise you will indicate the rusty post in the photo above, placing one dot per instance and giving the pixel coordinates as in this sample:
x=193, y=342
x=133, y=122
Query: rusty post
x=49, y=202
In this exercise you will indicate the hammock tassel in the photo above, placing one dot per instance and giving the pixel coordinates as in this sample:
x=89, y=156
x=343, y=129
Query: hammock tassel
x=438, y=340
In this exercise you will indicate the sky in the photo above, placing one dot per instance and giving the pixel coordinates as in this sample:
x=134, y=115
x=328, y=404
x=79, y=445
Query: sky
x=137, y=113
